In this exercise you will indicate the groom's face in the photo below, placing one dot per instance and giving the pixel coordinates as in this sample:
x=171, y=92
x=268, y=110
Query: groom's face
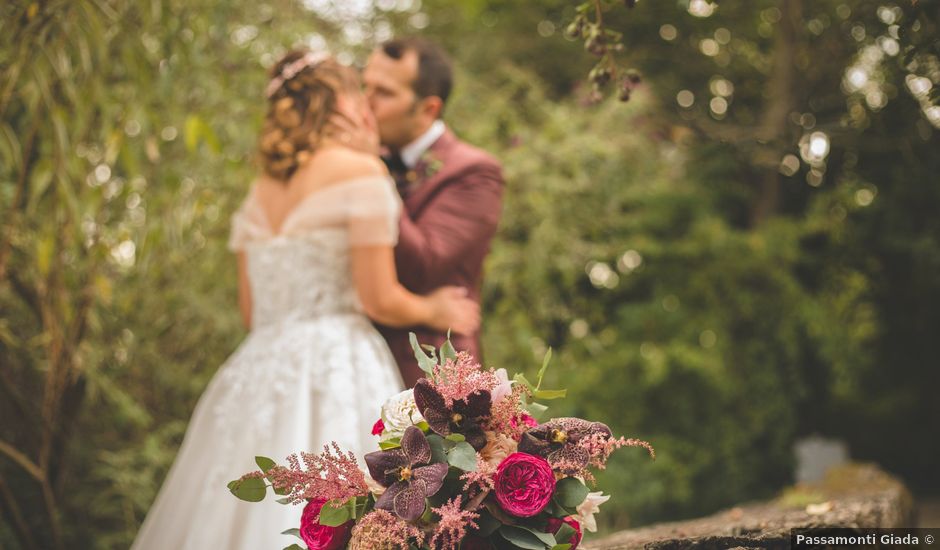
x=398, y=110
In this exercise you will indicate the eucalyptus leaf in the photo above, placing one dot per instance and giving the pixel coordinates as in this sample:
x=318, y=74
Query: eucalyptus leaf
x=265, y=463
x=537, y=410
x=438, y=453
x=425, y=362
x=334, y=517
x=293, y=531
x=251, y=489
x=447, y=350
x=570, y=492
x=463, y=456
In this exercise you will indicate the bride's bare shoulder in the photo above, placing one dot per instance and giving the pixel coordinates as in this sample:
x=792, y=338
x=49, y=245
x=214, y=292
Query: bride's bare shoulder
x=338, y=164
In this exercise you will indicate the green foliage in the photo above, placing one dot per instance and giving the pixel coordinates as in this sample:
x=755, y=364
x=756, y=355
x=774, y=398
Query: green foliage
x=569, y=493
x=463, y=456
x=126, y=139
x=252, y=489
x=335, y=513
x=693, y=295
x=523, y=537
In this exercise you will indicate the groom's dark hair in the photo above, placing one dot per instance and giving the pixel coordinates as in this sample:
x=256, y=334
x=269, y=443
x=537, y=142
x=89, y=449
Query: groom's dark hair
x=435, y=71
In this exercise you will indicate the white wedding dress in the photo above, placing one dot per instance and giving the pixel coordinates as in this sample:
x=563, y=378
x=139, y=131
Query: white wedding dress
x=312, y=370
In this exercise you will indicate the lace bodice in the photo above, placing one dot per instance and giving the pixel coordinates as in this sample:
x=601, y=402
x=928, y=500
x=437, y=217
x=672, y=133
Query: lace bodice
x=302, y=271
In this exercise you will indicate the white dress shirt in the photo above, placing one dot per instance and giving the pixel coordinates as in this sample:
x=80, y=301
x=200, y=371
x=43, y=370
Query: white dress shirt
x=411, y=153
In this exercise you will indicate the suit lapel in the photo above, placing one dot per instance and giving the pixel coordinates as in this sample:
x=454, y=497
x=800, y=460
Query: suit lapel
x=430, y=173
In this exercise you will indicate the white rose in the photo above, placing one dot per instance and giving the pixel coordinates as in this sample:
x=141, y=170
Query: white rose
x=374, y=486
x=399, y=412
x=587, y=509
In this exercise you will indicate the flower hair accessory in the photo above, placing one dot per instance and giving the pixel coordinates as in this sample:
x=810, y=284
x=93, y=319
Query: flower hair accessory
x=310, y=59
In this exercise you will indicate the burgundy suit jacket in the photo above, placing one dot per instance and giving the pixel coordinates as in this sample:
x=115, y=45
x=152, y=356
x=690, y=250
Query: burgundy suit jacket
x=450, y=215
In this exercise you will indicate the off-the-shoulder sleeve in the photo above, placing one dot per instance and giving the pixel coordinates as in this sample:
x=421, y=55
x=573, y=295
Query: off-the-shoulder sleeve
x=373, y=208
x=249, y=224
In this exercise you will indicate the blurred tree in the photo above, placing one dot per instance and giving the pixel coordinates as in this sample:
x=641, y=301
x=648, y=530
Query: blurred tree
x=745, y=253
x=818, y=117
x=127, y=136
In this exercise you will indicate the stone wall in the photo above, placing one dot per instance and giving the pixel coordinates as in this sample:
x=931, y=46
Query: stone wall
x=854, y=495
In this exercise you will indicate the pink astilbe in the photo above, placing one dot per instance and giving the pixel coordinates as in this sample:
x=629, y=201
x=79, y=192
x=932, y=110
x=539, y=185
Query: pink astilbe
x=452, y=527
x=571, y=468
x=482, y=478
x=328, y=475
x=381, y=530
x=599, y=448
x=456, y=380
x=507, y=416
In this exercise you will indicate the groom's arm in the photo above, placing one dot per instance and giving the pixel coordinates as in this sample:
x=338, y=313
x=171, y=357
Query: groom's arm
x=460, y=219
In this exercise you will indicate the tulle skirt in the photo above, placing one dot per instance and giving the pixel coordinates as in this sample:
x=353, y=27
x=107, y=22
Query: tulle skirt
x=290, y=387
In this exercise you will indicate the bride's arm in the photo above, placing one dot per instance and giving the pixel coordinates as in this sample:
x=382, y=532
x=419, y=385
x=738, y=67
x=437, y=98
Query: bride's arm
x=372, y=259
x=244, y=291
x=386, y=301
x=382, y=297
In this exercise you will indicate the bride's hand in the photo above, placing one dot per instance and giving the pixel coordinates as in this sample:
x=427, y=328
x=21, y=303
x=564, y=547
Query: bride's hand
x=452, y=310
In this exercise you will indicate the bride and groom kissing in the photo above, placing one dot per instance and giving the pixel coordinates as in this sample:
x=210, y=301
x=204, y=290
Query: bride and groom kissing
x=341, y=253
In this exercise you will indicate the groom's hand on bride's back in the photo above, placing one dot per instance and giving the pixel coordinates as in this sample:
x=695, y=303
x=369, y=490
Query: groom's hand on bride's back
x=454, y=311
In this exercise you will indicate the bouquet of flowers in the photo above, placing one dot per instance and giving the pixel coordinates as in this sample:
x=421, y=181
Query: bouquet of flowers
x=462, y=464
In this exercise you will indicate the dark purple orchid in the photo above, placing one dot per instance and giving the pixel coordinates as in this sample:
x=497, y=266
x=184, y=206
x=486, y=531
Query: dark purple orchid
x=407, y=474
x=462, y=417
x=557, y=441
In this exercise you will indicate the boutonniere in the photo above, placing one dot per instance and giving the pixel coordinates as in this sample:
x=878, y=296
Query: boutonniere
x=429, y=164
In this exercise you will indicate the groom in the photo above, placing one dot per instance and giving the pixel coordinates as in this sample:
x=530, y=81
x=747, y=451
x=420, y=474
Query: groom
x=452, y=191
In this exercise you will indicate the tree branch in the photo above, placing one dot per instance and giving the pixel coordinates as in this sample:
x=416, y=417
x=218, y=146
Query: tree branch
x=15, y=516
x=781, y=91
x=23, y=461
x=18, y=403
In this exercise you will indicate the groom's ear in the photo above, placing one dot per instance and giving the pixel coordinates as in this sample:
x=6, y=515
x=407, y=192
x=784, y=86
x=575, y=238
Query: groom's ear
x=431, y=107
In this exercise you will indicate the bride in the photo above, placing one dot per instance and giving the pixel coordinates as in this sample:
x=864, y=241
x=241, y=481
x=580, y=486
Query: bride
x=314, y=240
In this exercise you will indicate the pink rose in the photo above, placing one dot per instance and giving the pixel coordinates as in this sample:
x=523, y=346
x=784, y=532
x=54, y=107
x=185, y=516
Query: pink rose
x=554, y=524
x=524, y=484
x=321, y=537
x=378, y=427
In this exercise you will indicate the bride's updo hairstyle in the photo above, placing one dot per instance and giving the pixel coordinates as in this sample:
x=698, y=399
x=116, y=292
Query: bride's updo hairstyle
x=302, y=97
